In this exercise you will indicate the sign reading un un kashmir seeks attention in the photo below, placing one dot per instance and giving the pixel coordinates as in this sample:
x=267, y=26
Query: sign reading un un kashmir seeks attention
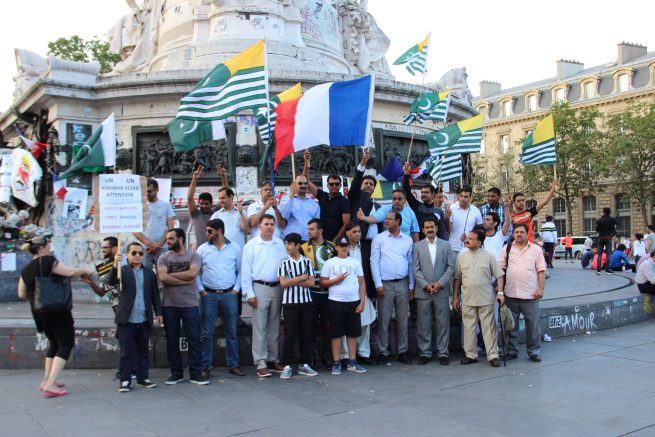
x=121, y=207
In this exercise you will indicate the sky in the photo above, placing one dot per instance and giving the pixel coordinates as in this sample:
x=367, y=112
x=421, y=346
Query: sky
x=509, y=41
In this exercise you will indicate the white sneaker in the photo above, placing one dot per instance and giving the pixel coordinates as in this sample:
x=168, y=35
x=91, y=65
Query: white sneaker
x=286, y=372
x=304, y=369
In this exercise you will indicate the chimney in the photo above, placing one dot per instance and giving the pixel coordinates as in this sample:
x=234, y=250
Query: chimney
x=489, y=88
x=567, y=68
x=629, y=51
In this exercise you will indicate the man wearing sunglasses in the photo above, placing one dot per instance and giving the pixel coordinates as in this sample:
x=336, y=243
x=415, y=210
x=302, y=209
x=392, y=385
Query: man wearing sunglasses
x=409, y=224
x=220, y=280
x=134, y=316
x=335, y=208
x=298, y=208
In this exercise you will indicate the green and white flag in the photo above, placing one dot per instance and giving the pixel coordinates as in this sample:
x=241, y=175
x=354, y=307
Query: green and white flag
x=462, y=137
x=539, y=146
x=446, y=169
x=97, y=153
x=188, y=134
x=429, y=106
x=239, y=83
x=416, y=58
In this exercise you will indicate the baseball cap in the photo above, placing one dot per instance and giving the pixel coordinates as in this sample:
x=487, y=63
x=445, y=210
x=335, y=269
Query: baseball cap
x=342, y=241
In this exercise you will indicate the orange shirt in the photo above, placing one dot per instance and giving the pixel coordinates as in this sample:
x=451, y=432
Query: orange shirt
x=525, y=216
x=567, y=242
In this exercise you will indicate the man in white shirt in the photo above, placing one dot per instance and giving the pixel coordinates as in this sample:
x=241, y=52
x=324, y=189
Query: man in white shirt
x=495, y=240
x=461, y=217
x=267, y=204
x=236, y=223
x=160, y=219
x=260, y=283
x=549, y=237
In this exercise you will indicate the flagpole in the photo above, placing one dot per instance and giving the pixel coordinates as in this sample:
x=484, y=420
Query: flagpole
x=293, y=165
x=120, y=273
x=411, y=140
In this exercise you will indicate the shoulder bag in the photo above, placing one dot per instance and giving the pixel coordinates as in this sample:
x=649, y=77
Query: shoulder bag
x=52, y=294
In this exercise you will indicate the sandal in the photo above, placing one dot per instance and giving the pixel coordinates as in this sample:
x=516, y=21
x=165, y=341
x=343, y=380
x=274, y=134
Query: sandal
x=54, y=394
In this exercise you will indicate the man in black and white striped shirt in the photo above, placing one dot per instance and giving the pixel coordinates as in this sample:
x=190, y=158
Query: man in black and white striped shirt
x=296, y=276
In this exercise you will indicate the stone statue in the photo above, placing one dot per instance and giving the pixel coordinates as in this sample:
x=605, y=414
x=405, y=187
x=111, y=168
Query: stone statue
x=455, y=80
x=364, y=43
x=29, y=66
x=135, y=37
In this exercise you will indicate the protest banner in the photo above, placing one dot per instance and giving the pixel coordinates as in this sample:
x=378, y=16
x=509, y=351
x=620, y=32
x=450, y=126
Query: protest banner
x=120, y=199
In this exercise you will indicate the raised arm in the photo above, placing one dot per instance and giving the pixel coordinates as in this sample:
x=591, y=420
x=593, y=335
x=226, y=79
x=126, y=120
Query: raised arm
x=553, y=188
x=411, y=200
x=508, y=214
x=222, y=172
x=245, y=225
x=313, y=189
x=193, y=208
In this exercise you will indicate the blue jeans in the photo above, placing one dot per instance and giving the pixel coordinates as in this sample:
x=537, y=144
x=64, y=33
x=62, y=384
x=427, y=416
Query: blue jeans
x=131, y=336
x=190, y=317
x=225, y=306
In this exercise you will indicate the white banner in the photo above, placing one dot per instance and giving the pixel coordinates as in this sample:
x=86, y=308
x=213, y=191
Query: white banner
x=127, y=217
x=119, y=189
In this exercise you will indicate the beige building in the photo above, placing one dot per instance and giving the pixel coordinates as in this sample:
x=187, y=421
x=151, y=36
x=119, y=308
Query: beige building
x=512, y=113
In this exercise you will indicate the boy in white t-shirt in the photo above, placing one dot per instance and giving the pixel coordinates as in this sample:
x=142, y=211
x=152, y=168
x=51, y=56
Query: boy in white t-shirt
x=343, y=276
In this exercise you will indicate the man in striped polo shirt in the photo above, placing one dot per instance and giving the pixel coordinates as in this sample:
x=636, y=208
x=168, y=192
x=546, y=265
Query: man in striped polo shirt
x=296, y=276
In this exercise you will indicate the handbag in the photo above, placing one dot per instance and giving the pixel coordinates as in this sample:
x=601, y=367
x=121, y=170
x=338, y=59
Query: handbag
x=52, y=294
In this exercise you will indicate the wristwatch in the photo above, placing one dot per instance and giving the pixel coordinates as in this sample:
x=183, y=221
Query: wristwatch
x=500, y=293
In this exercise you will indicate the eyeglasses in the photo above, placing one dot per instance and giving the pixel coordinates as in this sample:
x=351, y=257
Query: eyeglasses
x=397, y=198
x=334, y=184
x=135, y=253
x=301, y=183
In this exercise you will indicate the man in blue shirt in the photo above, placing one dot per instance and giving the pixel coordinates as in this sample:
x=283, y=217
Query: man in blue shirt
x=409, y=224
x=298, y=209
x=220, y=280
x=619, y=259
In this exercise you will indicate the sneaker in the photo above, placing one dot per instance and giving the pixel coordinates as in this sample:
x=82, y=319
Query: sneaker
x=199, y=379
x=263, y=373
x=286, y=372
x=598, y=273
x=336, y=368
x=608, y=273
x=304, y=369
x=354, y=366
x=124, y=387
x=174, y=379
x=133, y=376
x=146, y=383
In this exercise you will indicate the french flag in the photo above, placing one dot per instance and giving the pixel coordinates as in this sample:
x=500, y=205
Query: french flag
x=333, y=114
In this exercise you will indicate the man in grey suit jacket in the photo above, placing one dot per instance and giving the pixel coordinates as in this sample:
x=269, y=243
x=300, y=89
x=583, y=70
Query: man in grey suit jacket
x=434, y=265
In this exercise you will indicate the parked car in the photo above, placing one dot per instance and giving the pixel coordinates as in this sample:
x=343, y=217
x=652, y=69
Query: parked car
x=578, y=246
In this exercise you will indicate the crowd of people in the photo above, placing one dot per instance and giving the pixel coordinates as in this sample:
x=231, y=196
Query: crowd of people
x=329, y=265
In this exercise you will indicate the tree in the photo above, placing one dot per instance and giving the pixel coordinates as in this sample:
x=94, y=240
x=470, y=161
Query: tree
x=580, y=160
x=77, y=49
x=630, y=142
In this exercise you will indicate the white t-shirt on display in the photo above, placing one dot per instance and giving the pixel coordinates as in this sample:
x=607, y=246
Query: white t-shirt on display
x=348, y=289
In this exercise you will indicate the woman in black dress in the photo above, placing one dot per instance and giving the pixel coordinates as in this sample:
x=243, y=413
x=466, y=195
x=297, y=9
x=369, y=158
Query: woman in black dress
x=58, y=327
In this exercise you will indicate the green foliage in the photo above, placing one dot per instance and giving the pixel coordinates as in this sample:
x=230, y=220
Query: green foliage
x=77, y=49
x=630, y=143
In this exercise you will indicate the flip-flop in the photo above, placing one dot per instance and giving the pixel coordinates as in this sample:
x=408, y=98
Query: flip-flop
x=58, y=384
x=54, y=394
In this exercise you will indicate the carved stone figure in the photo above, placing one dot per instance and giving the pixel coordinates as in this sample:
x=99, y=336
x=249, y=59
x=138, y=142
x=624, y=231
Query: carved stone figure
x=246, y=156
x=123, y=158
x=185, y=166
x=455, y=79
x=149, y=159
x=29, y=66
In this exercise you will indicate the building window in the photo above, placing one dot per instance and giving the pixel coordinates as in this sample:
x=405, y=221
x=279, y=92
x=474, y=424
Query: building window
x=559, y=215
x=532, y=103
x=560, y=224
x=560, y=95
x=559, y=206
x=622, y=206
x=589, y=215
x=504, y=143
x=530, y=204
x=590, y=90
x=623, y=82
x=507, y=108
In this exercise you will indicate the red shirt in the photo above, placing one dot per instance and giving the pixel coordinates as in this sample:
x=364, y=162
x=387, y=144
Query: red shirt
x=567, y=242
x=526, y=217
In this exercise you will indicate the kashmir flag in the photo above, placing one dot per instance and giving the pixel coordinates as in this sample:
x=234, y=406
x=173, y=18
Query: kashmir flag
x=97, y=153
x=429, y=106
x=416, y=57
x=446, y=169
x=188, y=134
x=539, y=146
x=333, y=114
x=239, y=83
x=463, y=137
x=266, y=120
x=35, y=147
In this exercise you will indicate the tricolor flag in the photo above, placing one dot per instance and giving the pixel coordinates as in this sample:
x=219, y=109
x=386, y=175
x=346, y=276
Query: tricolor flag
x=266, y=120
x=539, y=146
x=463, y=137
x=239, y=83
x=416, y=57
x=35, y=147
x=333, y=114
x=393, y=171
x=446, y=169
x=429, y=106
x=422, y=168
x=188, y=134
x=98, y=152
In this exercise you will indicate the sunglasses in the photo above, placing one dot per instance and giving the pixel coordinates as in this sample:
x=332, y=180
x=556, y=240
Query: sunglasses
x=334, y=184
x=209, y=231
x=301, y=183
x=397, y=198
x=135, y=253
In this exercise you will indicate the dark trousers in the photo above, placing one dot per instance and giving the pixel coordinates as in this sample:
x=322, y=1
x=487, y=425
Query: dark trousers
x=549, y=252
x=321, y=315
x=298, y=325
x=604, y=245
x=568, y=253
x=530, y=310
x=646, y=287
x=59, y=329
x=133, y=336
x=190, y=318
x=632, y=267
